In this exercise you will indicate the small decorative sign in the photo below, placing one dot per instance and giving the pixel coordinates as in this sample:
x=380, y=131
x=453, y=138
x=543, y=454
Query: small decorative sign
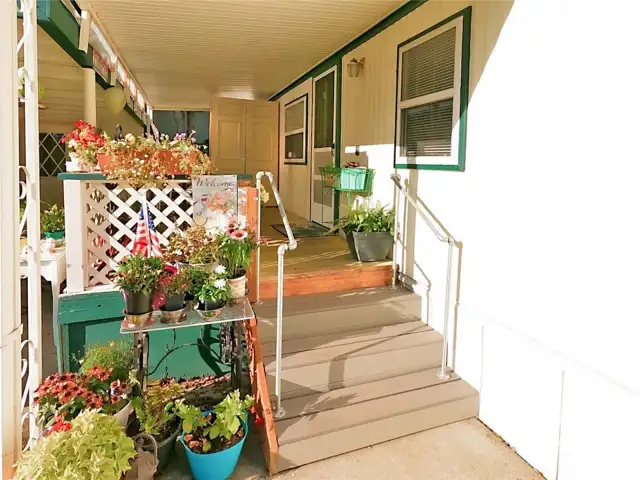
x=215, y=201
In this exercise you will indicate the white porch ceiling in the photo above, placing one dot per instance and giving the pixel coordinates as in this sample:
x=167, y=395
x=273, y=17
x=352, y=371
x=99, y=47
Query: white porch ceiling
x=184, y=52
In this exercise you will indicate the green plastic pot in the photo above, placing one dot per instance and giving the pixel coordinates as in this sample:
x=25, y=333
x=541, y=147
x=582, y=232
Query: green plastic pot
x=59, y=235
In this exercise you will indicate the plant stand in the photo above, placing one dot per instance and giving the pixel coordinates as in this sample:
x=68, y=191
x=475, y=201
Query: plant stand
x=358, y=181
x=231, y=320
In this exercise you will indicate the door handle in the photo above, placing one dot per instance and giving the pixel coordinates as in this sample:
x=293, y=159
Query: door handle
x=333, y=150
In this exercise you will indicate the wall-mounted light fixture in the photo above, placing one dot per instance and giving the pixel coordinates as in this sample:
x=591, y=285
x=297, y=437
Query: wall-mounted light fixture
x=355, y=67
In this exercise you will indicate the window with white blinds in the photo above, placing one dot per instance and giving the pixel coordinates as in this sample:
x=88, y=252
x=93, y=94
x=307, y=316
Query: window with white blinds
x=295, y=131
x=429, y=87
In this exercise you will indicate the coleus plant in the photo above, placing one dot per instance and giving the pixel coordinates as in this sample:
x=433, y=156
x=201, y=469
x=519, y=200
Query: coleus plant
x=211, y=432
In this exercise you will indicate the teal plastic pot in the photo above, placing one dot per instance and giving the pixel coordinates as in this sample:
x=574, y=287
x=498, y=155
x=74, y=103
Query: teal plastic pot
x=59, y=235
x=218, y=465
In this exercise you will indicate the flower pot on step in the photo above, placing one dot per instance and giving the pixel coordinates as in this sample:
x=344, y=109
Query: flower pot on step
x=165, y=448
x=350, y=244
x=217, y=465
x=372, y=247
x=238, y=287
x=138, y=303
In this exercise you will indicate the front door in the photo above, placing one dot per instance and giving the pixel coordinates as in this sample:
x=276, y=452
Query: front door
x=324, y=143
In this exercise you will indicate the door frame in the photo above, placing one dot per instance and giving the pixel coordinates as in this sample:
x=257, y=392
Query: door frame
x=336, y=68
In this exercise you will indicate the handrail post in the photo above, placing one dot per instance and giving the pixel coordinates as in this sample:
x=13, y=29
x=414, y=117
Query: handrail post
x=259, y=188
x=443, y=374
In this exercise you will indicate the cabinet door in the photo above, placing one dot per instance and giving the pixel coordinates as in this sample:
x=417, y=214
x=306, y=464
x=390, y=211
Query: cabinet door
x=228, y=127
x=262, y=140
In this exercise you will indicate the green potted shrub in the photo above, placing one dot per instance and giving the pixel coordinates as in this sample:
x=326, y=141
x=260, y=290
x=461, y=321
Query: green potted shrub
x=174, y=285
x=138, y=278
x=93, y=445
x=195, y=247
x=114, y=356
x=214, y=439
x=235, y=247
x=52, y=223
x=156, y=416
x=214, y=293
x=197, y=278
x=368, y=231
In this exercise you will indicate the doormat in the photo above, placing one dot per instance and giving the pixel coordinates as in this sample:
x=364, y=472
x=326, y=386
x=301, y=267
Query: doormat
x=308, y=230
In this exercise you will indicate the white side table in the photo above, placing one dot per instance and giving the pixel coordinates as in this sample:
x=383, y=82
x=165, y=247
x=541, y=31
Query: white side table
x=53, y=268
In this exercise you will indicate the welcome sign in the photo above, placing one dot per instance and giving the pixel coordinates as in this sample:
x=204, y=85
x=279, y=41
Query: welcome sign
x=215, y=201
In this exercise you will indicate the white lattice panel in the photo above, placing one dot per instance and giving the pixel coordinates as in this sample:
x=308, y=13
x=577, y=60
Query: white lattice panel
x=111, y=216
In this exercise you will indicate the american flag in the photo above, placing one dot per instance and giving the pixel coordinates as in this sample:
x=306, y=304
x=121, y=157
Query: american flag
x=146, y=241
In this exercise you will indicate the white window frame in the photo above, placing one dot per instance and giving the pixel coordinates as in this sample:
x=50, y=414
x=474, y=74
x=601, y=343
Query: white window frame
x=303, y=130
x=451, y=93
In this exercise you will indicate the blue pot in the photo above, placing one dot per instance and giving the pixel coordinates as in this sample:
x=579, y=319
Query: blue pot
x=218, y=465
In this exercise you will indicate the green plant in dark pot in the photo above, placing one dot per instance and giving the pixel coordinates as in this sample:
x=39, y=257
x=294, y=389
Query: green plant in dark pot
x=138, y=278
x=368, y=231
x=174, y=284
x=52, y=222
x=197, y=278
x=214, y=294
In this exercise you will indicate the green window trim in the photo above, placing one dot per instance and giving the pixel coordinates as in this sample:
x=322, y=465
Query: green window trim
x=463, y=95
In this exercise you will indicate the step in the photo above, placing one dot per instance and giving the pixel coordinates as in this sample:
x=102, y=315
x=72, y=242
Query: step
x=333, y=431
x=349, y=371
x=331, y=313
x=344, y=338
x=360, y=346
x=317, y=402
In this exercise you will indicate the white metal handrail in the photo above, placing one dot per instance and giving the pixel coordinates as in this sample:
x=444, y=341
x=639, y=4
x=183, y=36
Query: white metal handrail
x=282, y=249
x=443, y=235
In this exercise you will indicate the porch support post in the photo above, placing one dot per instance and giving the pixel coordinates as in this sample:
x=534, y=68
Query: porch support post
x=75, y=227
x=10, y=324
x=90, y=106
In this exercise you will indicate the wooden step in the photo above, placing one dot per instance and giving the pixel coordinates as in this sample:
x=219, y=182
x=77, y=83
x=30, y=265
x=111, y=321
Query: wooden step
x=344, y=338
x=349, y=371
x=359, y=347
x=333, y=313
x=333, y=431
x=357, y=275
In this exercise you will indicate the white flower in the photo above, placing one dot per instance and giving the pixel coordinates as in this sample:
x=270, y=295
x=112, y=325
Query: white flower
x=220, y=283
x=72, y=143
x=129, y=138
x=221, y=270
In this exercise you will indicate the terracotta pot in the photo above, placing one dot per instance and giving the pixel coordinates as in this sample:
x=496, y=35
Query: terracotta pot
x=170, y=163
x=238, y=287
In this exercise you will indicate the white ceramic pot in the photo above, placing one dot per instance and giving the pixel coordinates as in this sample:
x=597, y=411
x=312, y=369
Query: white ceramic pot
x=238, y=287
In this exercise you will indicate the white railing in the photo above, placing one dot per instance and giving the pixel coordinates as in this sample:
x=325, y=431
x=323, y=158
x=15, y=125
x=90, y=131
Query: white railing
x=443, y=235
x=282, y=249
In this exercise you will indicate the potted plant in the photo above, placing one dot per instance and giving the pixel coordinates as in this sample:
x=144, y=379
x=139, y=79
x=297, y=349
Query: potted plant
x=83, y=144
x=214, y=293
x=52, y=223
x=156, y=416
x=114, y=356
x=138, y=278
x=195, y=247
x=235, y=247
x=214, y=439
x=174, y=285
x=92, y=445
x=371, y=230
x=64, y=396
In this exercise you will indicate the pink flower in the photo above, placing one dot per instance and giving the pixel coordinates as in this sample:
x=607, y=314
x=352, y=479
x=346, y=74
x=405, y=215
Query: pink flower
x=237, y=234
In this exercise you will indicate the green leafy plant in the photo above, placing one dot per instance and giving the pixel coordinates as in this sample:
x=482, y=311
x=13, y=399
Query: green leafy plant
x=116, y=356
x=234, y=250
x=218, y=430
x=215, y=289
x=197, y=278
x=365, y=219
x=139, y=274
x=194, y=246
x=52, y=220
x=94, y=446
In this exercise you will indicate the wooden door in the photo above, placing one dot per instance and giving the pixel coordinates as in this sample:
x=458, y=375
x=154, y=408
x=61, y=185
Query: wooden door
x=262, y=140
x=227, y=140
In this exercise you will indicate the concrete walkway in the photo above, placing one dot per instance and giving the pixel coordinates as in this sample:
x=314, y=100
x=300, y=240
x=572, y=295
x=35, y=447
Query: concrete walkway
x=465, y=450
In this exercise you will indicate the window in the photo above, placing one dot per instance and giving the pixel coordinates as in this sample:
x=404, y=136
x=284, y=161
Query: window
x=430, y=103
x=295, y=131
x=52, y=154
x=324, y=106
